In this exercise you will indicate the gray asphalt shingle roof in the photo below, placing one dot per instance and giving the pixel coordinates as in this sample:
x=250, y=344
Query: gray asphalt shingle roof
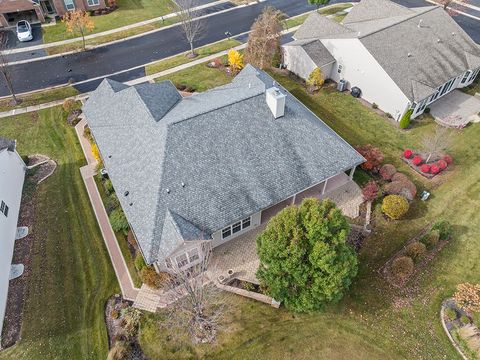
x=7, y=144
x=419, y=48
x=317, y=26
x=213, y=159
x=315, y=50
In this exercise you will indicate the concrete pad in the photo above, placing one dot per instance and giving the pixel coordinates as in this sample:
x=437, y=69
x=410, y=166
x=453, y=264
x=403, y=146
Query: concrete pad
x=456, y=109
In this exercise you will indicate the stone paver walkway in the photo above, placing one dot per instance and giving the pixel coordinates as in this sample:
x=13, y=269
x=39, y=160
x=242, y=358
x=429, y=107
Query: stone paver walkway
x=456, y=109
x=129, y=291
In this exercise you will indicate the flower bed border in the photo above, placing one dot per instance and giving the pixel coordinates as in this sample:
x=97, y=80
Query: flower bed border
x=384, y=271
x=416, y=168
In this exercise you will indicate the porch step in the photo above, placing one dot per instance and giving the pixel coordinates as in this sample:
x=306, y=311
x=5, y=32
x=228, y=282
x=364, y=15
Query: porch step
x=148, y=299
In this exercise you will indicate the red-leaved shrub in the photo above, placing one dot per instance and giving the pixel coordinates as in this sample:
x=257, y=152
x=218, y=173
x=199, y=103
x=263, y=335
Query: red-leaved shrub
x=434, y=169
x=398, y=176
x=407, y=154
x=442, y=164
x=448, y=159
x=387, y=171
x=417, y=160
x=372, y=155
x=370, y=191
x=425, y=168
x=402, y=187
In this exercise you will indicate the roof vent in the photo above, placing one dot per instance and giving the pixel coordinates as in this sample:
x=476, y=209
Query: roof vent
x=168, y=191
x=409, y=54
x=453, y=33
x=439, y=40
x=183, y=184
x=276, y=101
x=420, y=23
x=126, y=193
x=131, y=204
x=109, y=156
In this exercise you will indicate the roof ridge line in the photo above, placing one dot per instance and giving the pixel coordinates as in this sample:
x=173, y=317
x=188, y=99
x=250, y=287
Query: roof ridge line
x=434, y=7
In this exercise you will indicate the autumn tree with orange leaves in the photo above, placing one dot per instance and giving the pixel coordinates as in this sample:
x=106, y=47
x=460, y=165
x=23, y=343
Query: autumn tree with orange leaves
x=78, y=21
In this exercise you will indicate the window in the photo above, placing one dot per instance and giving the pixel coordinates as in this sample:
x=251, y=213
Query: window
x=473, y=75
x=69, y=5
x=236, y=227
x=93, y=2
x=4, y=208
x=226, y=232
x=339, y=70
x=168, y=263
x=181, y=260
x=465, y=77
x=193, y=255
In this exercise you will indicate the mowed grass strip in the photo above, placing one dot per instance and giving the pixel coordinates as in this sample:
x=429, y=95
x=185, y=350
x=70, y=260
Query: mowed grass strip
x=183, y=59
x=39, y=98
x=71, y=275
x=373, y=320
x=128, y=12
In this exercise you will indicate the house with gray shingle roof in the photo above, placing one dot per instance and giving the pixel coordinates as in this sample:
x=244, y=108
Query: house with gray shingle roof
x=192, y=173
x=401, y=58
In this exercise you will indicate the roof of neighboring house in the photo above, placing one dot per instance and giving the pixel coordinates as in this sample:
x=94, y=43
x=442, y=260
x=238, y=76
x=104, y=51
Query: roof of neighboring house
x=212, y=159
x=317, y=26
x=315, y=50
x=419, y=48
x=7, y=144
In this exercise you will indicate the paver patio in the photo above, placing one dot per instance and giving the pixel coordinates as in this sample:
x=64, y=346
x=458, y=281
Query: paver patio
x=456, y=109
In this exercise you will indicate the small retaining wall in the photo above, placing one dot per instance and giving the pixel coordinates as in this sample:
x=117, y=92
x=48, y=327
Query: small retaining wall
x=250, y=294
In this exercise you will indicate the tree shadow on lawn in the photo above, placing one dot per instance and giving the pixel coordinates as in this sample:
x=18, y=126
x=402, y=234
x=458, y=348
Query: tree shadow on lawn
x=418, y=210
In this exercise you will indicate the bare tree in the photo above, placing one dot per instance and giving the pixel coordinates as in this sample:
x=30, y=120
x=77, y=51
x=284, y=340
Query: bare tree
x=453, y=6
x=192, y=27
x=196, y=305
x=264, y=39
x=7, y=75
x=439, y=141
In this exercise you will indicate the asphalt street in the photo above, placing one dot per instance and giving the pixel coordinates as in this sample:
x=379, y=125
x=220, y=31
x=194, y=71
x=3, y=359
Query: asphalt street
x=125, y=55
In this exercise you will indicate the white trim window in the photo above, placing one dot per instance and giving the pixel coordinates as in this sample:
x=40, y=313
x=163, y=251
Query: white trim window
x=4, y=208
x=181, y=260
x=69, y=5
x=465, y=77
x=193, y=255
x=93, y=2
x=236, y=227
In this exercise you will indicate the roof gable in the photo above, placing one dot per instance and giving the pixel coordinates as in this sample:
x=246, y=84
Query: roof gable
x=374, y=10
x=317, y=26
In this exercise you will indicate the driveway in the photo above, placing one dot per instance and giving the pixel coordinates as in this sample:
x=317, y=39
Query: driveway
x=456, y=109
x=11, y=42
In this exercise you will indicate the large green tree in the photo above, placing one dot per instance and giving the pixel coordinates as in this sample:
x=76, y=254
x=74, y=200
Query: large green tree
x=318, y=3
x=305, y=261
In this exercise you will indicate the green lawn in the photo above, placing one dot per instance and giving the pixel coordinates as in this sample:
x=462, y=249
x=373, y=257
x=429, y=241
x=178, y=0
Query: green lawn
x=198, y=77
x=373, y=321
x=182, y=59
x=71, y=276
x=129, y=12
x=40, y=98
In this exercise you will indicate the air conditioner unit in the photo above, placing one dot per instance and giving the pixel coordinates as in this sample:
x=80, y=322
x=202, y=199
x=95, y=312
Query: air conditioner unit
x=342, y=85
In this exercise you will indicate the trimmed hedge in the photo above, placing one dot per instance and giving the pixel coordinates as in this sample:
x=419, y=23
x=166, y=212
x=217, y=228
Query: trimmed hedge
x=395, y=206
x=444, y=229
x=431, y=239
x=402, y=267
x=416, y=250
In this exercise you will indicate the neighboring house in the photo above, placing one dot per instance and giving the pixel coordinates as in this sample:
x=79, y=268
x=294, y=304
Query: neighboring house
x=12, y=175
x=193, y=173
x=399, y=57
x=11, y=11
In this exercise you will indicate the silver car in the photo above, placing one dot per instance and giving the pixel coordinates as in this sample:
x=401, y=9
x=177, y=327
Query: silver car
x=24, y=31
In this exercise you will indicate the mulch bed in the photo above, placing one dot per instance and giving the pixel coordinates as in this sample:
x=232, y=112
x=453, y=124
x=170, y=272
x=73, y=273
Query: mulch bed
x=418, y=267
x=22, y=254
x=114, y=327
x=416, y=168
